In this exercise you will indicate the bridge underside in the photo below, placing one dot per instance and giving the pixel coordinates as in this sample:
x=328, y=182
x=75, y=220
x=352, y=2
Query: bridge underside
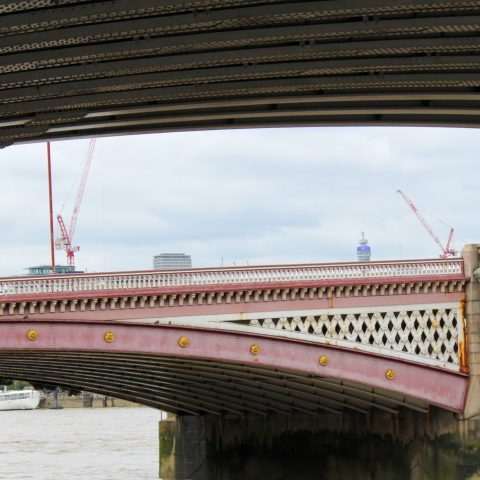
x=84, y=68
x=199, y=371
x=197, y=386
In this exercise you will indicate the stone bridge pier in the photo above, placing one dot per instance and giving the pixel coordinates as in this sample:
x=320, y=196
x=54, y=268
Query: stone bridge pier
x=406, y=444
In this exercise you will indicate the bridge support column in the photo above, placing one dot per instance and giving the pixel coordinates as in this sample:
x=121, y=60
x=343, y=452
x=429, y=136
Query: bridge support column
x=183, y=448
x=470, y=255
x=379, y=445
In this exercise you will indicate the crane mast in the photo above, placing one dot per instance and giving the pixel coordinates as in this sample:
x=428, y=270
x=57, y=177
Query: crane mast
x=449, y=247
x=448, y=250
x=65, y=241
x=81, y=189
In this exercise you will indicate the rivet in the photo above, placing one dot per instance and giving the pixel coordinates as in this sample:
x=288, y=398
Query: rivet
x=254, y=349
x=435, y=323
x=390, y=374
x=323, y=360
x=32, y=335
x=109, y=337
x=183, y=342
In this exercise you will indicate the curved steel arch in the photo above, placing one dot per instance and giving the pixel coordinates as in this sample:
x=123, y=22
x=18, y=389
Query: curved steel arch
x=214, y=371
x=80, y=68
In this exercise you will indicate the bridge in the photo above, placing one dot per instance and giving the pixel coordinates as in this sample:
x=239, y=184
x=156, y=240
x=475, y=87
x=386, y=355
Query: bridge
x=395, y=326
x=338, y=339
x=84, y=68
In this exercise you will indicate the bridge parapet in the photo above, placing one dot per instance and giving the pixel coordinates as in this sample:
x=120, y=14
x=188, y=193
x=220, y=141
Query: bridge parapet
x=344, y=272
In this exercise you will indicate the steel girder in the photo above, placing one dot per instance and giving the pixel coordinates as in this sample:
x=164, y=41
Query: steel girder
x=83, y=68
x=201, y=370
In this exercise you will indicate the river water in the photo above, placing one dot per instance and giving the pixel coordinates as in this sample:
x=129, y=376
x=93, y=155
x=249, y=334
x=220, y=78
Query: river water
x=79, y=443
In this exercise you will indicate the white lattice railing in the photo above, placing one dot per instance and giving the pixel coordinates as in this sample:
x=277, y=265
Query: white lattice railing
x=228, y=276
x=434, y=333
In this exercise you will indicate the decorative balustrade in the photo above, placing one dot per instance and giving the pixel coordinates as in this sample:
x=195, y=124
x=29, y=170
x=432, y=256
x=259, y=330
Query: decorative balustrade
x=229, y=276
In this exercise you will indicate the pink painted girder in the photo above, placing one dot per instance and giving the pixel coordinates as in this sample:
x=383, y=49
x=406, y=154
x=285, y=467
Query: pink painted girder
x=432, y=385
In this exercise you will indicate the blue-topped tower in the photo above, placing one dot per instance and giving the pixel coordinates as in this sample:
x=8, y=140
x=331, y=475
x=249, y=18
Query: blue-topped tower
x=363, y=250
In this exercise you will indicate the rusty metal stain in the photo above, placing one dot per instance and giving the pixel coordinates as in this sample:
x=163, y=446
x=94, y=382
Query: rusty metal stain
x=329, y=302
x=463, y=343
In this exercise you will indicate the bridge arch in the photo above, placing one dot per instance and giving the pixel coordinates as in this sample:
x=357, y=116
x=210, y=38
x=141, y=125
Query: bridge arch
x=198, y=370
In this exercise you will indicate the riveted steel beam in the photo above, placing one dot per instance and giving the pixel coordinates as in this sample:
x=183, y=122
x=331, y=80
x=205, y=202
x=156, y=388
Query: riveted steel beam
x=159, y=66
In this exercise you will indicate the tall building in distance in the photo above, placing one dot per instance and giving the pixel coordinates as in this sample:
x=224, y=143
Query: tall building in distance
x=171, y=261
x=363, y=250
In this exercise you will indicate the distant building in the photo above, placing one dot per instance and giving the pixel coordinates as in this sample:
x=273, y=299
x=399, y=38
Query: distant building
x=171, y=261
x=363, y=250
x=47, y=269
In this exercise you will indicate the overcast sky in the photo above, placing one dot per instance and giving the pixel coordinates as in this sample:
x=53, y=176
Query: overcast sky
x=243, y=196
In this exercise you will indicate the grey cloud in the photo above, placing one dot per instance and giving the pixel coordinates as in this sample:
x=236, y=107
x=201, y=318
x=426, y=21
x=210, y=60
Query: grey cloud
x=262, y=196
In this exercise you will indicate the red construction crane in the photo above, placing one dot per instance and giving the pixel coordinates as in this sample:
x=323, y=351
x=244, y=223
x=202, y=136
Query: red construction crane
x=65, y=241
x=448, y=250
